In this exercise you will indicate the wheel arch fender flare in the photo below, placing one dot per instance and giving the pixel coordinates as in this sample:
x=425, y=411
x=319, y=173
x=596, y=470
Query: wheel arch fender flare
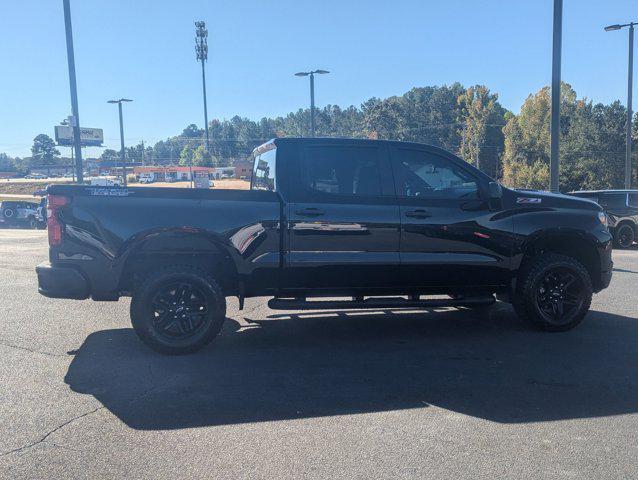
x=180, y=245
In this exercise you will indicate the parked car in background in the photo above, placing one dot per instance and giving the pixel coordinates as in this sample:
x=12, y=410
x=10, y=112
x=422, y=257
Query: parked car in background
x=42, y=213
x=147, y=178
x=19, y=214
x=621, y=207
x=104, y=182
x=383, y=223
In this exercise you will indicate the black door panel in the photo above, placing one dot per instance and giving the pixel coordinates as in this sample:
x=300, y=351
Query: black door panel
x=343, y=223
x=449, y=236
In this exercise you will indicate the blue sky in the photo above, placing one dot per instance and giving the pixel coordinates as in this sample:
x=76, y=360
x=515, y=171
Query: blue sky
x=144, y=50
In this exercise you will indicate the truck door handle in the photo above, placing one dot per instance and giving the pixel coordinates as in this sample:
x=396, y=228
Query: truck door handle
x=310, y=212
x=418, y=214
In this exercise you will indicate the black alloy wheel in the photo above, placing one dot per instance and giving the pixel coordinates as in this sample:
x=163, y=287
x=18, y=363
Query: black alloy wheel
x=553, y=293
x=179, y=310
x=559, y=295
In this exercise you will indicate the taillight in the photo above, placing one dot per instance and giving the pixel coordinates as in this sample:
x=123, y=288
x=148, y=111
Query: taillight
x=54, y=203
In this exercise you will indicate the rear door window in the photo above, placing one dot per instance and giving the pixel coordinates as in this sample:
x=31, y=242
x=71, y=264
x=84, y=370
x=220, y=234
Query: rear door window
x=633, y=200
x=343, y=171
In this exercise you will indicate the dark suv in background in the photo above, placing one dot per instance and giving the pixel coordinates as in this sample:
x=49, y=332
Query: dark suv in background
x=21, y=214
x=621, y=207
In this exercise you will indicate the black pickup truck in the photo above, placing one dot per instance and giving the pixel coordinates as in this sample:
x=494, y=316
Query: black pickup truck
x=378, y=224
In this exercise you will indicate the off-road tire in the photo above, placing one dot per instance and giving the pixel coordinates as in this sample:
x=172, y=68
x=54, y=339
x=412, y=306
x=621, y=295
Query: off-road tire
x=526, y=302
x=624, y=236
x=145, y=317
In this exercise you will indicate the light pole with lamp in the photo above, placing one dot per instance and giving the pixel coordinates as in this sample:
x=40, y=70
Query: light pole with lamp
x=122, y=151
x=312, y=95
x=630, y=75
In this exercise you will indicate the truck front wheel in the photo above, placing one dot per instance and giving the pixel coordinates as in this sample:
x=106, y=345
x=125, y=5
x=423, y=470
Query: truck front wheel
x=554, y=292
x=178, y=310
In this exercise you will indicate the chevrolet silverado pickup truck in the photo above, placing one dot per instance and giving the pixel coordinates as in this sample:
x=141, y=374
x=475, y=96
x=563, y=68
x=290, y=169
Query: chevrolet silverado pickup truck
x=327, y=223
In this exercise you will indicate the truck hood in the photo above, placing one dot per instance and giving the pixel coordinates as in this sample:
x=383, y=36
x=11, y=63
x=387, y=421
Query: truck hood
x=557, y=200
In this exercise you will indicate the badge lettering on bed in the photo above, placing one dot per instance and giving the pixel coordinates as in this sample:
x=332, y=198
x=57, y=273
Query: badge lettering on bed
x=109, y=192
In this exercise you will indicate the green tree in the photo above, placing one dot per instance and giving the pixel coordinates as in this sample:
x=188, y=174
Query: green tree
x=110, y=155
x=482, y=116
x=7, y=163
x=43, y=152
x=201, y=158
x=186, y=155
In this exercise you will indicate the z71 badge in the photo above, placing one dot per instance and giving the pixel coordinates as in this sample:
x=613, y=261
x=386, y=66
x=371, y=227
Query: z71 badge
x=529, y=200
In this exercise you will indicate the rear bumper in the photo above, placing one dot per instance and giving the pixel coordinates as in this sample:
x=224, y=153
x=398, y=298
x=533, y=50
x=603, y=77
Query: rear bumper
x=61, y=282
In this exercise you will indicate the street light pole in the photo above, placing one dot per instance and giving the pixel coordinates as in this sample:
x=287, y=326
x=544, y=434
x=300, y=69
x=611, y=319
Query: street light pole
x=201, y=49
x=554, y=162
x=630, y=79
x=73, y=87
x=122, y=150
x=311, y=74
x=312, y=104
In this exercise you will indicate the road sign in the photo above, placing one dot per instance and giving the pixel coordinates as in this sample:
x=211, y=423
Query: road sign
x=89, y=137
x=202, y=182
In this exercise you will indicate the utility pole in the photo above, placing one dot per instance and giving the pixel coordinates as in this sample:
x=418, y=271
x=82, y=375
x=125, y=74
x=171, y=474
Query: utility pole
x=74, y=94
x=201, y=49
x=554, y=164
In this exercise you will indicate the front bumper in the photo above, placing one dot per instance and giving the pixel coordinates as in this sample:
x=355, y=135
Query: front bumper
x=606, y=266
x=61, y=282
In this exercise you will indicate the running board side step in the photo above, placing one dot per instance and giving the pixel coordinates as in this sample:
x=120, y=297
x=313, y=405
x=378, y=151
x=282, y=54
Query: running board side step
x=385, y=302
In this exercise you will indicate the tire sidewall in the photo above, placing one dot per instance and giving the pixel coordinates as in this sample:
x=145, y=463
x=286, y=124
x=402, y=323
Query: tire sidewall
x=142, y=316
x=526, y=305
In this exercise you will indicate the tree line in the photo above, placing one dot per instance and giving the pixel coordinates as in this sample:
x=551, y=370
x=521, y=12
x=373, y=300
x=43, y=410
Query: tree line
x=468, y=121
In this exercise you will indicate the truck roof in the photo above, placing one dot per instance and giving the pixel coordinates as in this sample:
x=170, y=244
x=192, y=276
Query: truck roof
x=276, y=142
x=603, y=191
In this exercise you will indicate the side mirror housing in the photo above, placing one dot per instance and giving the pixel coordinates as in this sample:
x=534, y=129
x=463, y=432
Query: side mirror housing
x=494, y=190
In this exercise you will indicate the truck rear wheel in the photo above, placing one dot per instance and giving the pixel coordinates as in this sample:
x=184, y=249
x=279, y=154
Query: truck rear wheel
x=178, y=310
x=554, y=293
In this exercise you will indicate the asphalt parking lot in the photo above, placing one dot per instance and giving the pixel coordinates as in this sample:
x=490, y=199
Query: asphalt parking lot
x=440, y=394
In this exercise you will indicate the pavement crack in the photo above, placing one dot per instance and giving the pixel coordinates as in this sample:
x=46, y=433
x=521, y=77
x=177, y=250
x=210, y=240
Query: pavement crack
x=50, y=432
x=26, y=349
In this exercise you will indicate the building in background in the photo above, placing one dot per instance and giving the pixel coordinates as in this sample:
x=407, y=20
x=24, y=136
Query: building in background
x=178, y=174
x=243, y=169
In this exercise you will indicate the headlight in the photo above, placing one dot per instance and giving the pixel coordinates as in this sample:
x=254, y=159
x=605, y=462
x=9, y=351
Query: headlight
x=603, y=218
